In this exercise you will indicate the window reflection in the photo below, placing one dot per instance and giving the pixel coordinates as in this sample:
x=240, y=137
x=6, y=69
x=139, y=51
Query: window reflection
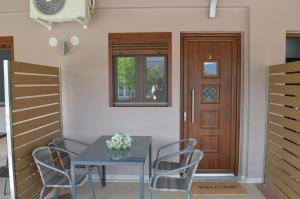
x=210, y=68
x=156, y=69
x=141, y=79
x=126, y=78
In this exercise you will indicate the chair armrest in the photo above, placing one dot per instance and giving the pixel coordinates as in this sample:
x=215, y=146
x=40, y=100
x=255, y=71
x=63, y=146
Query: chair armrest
x=170, y=156
x=169, y=145
x=167, y=173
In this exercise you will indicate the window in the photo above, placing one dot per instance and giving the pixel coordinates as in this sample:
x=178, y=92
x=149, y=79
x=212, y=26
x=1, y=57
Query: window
x=292, y=47
x=4, y=55
x=2, y=96
x=140, y=69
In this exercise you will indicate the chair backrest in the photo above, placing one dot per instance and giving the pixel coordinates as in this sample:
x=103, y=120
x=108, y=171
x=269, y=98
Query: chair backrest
x=189, y=144
x=64, y=158
x=192, y=167
x=43, y=158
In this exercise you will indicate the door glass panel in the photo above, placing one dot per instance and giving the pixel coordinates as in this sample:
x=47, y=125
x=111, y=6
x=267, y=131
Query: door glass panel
x=210, y=94
x=210, y=68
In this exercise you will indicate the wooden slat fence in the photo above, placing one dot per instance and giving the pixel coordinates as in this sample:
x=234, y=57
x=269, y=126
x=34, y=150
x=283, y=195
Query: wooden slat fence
x=283, y=136
x=36, y=120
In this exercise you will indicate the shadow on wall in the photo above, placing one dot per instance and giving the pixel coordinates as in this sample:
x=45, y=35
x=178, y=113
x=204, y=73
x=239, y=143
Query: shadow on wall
x=3, y=147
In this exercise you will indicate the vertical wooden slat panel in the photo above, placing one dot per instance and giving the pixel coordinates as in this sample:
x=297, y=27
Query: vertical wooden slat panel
x=283, y=134
x=35, y=94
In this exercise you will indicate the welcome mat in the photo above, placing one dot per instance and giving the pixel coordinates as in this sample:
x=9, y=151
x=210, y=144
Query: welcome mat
x=218, y=188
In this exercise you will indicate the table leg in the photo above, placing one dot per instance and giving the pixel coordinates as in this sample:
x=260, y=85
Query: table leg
x=103, y=179
x=142, y=181
x=150, y=162
x=91, y=184
x=73, y=183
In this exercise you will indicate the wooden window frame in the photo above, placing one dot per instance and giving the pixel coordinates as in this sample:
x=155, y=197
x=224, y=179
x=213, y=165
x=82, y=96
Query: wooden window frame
x=139, y=38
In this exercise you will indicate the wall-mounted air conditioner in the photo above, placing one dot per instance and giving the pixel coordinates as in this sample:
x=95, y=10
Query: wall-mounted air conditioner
x=48, y=11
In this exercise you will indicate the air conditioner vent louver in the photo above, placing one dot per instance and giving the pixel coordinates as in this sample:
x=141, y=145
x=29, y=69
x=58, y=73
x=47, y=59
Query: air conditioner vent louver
x=49, y=7
x=47, y=12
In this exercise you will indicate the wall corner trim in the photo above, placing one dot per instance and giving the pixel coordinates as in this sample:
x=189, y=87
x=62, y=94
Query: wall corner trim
x=255, y=180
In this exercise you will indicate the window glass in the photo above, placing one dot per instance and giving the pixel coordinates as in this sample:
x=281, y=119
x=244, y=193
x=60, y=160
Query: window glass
x=210, y=68
x=4, y=55
x=156, y=69
x=125, y=78
x=141, y=79
x=292, y=49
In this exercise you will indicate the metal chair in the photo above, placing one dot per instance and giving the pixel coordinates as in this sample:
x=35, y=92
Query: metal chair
x=54, y=177
x=164, y=182
x=65, y=158
x=4, y=174
x=189, y=144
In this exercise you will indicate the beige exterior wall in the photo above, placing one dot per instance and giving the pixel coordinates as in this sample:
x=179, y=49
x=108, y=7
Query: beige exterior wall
x=86, y=111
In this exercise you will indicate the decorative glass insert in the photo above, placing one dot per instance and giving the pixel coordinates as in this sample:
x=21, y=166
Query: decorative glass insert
x=210, y=68
x=210, y=94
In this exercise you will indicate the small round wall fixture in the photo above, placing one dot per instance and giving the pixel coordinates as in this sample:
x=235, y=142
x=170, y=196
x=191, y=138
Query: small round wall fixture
x=53, y=41
x=74, y=40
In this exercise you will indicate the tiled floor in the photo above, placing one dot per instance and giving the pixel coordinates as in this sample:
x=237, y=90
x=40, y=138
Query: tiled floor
x=126, y=190
x=1, y=190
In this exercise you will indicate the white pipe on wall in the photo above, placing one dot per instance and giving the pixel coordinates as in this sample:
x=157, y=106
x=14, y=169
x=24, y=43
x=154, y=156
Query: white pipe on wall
x=8, y=114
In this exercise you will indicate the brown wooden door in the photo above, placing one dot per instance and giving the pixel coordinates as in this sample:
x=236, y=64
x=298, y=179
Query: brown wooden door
x=211, y=79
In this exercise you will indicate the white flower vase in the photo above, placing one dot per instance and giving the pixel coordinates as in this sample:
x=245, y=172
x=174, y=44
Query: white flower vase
x=120, y=154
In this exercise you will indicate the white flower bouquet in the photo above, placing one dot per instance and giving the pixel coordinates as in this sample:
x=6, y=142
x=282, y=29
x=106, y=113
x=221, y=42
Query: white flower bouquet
x=119, y=141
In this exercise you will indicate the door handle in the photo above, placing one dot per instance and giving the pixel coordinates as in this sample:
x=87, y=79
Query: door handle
x=193, y=106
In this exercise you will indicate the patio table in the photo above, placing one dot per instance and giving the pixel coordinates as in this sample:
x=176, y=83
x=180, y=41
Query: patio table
x=97, y=154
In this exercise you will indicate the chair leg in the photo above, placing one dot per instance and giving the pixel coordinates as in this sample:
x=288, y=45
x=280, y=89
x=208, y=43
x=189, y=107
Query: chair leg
x=100, y=176
x=190, y=194
x=151, y=194
x=91, y=185
x=42, y=193
x=56, y=193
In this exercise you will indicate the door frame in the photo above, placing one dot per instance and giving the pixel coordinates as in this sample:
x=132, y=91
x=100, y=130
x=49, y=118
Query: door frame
x=184, y=88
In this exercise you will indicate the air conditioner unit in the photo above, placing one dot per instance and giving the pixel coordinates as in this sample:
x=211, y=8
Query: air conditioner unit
x=48, y=11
